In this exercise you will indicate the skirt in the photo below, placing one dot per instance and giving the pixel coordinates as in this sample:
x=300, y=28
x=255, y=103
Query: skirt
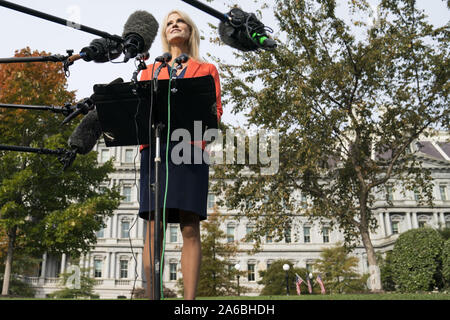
x=187, y=183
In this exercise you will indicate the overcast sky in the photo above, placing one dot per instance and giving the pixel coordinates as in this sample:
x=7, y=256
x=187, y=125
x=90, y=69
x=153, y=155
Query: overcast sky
x=19, y=30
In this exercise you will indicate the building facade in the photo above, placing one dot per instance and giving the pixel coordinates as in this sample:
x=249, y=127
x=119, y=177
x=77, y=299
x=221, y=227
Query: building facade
x=115, y=262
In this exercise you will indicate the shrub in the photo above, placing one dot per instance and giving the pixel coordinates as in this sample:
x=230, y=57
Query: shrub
x=446, y=263
x=416, y=260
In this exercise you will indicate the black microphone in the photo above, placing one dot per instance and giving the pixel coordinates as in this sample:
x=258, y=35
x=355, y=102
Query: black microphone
x=165, y=58
x=99, y=50
x=85, y=136
x=83, y=107
x=139, y=33
x=245, y=32
x=183, y=58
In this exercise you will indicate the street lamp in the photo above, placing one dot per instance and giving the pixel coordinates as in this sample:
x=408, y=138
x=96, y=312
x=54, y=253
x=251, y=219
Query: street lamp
x=286, y=268
x=237, y=266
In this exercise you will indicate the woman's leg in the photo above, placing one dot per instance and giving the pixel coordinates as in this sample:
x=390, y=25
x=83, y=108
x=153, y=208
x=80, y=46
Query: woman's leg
x=191, y=254
x=149, y=265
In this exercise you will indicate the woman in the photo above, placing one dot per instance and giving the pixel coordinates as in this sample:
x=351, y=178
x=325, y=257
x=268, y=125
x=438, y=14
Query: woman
x=188, y=183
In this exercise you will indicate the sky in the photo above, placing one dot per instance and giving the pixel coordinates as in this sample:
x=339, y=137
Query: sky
x=19, y=30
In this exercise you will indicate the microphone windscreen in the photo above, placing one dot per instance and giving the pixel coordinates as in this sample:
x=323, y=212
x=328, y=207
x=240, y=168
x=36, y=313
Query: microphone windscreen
x=235, y=38
x=107, y=49
x=143, y=24
x=85, y=136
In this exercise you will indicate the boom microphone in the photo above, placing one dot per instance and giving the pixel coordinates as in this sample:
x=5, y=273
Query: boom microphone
x=245, y=32
x=139, y=33
x=85, y=136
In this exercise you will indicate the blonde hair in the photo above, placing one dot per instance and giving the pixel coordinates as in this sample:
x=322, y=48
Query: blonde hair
x=194, y=38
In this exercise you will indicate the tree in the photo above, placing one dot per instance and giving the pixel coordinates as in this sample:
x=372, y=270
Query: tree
x=73, y=289
x=274, y=279
x=446, y=263
x=217, y=275
x=387, y=274
x=338, y=271
x=42, y=207
x=416, y=260
x=348, y=99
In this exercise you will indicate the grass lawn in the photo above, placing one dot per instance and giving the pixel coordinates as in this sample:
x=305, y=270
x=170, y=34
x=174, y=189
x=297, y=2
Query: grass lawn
x=383, y=296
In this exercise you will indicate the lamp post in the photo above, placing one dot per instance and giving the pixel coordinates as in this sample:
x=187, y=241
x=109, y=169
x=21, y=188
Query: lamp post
x=286, y=268
x=237, y=266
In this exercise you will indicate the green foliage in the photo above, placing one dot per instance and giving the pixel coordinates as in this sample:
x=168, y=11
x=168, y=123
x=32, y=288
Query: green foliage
x=339, y=271
x=69, y=289
x=387, y=274
x=416, y=260
x=445, y=233
x=216, y=277
x=446, y=263
x=348, y=99
x=274, y=279
x=19, y=288
x=42, y=206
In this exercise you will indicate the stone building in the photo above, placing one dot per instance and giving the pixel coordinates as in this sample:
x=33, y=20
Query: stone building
x=116, y=260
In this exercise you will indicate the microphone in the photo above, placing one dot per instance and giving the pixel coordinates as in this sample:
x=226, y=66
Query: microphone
x=139, y=33
x=83, y=107
x=183, y=58
x=165, y=58
x=85, y=136
x=245, y=32
x=100, y=50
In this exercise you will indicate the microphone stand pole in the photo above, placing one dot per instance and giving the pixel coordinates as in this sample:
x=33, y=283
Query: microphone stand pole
x=54, y=58
x=61, y=21
x=66, y=157
x=66, y=110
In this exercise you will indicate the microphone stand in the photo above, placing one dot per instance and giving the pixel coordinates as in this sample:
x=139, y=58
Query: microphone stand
x=53, y=58
x=61, y=21
x=66, y=110
x=66, y=157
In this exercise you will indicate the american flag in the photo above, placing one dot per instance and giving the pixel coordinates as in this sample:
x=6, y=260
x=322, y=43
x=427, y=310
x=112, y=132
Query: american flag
x=308, y=282
x=322, y=287
x=298, y=282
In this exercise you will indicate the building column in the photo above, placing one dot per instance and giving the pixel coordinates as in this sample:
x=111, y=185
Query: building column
x=108, y=266
x=114, y=226
x=113, y=265
x=436, y=219
x=415, y=224
x=442, y=216
x=44, y=267
x=63, y=263
x=383, y=229
x=408, y=220
x=388, y=224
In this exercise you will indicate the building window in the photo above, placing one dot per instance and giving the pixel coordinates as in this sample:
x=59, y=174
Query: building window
x=309, y=267
x=98, y=265
x=125, y=229
x=251, y=271
x=100, y=233
x=326, y=234
x=104, y=155
x=249, y=231
x=127, y=194
x=443, y=191
x=129, y=155
x=422, y=224
x=230, y=233
x=394, y=227
x=269, y=238
x=173, y=271
x=304, y=201
x=287, y=235
x=173, y=233
x=211, y=201
x=269, y=263
x=447, y=224
x=416, y=195
x=306, y=234
x=389, y=193
x=123, y=269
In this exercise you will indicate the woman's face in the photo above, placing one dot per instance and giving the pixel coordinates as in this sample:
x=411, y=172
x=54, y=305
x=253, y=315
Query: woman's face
x=177, y=30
